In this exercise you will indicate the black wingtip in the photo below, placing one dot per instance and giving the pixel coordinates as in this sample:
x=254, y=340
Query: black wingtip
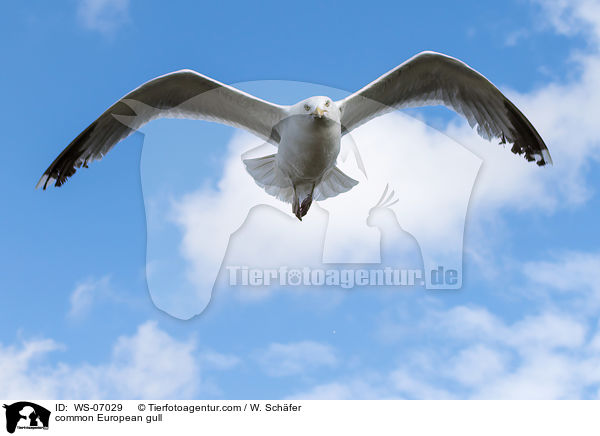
x=67, y=162
x=526, y=140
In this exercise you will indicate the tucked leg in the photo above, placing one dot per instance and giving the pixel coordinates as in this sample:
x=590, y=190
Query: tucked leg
x=296, y=205
x=307, y=202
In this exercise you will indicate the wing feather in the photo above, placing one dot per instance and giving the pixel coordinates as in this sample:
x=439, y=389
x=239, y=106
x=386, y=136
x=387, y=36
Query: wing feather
x=181, y=94
x=435, y=79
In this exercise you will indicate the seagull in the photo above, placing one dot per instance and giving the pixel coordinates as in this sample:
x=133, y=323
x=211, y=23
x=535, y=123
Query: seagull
x=307, y=134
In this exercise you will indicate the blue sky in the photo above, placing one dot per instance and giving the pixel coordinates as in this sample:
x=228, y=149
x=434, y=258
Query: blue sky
x=76, y=305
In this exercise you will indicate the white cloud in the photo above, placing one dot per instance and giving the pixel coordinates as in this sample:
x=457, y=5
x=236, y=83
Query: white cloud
x=475, y=365
x=148, y=364
x=212, y=359
x=91, y=293
x=17, y=370
x=550, y=352
x=472, y=353
x=364, y=388
x=85, y=293
x=151, y=364
x=295, y=358
x=104, y=16
x=406, y=385
x=570, y=17
x=574, y=275
x=546, y=330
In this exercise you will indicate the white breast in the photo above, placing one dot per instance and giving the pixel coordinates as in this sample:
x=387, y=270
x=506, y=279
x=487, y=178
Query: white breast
x=308, y=147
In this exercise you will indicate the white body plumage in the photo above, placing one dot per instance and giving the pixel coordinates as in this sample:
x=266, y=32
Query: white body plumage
x=304, y=168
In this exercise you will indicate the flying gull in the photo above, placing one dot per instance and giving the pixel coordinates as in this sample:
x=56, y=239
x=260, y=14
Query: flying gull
x=307, y=134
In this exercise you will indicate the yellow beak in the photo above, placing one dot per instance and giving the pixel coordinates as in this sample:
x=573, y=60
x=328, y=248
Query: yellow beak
x=319, y=111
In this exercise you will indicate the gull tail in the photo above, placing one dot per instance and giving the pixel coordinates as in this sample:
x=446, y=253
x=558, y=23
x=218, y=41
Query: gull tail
x=335, y=182
x=267, y=175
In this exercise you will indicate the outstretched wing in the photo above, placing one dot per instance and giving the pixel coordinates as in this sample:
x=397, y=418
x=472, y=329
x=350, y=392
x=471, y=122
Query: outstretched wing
x=435, y=79
x=182, y=94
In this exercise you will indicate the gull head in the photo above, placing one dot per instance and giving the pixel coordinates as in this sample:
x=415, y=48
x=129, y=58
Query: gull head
x=319, y=108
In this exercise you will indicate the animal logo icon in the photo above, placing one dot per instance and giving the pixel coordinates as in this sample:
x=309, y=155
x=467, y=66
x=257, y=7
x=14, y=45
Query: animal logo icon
x=27, y=415
x=398, y=247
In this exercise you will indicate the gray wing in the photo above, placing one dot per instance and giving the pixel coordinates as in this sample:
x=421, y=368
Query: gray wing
x=435, y=79
x=182, y=94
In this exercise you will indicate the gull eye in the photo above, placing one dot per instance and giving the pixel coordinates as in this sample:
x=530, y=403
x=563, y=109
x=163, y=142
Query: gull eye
x=306, y=107
x=327, y=103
